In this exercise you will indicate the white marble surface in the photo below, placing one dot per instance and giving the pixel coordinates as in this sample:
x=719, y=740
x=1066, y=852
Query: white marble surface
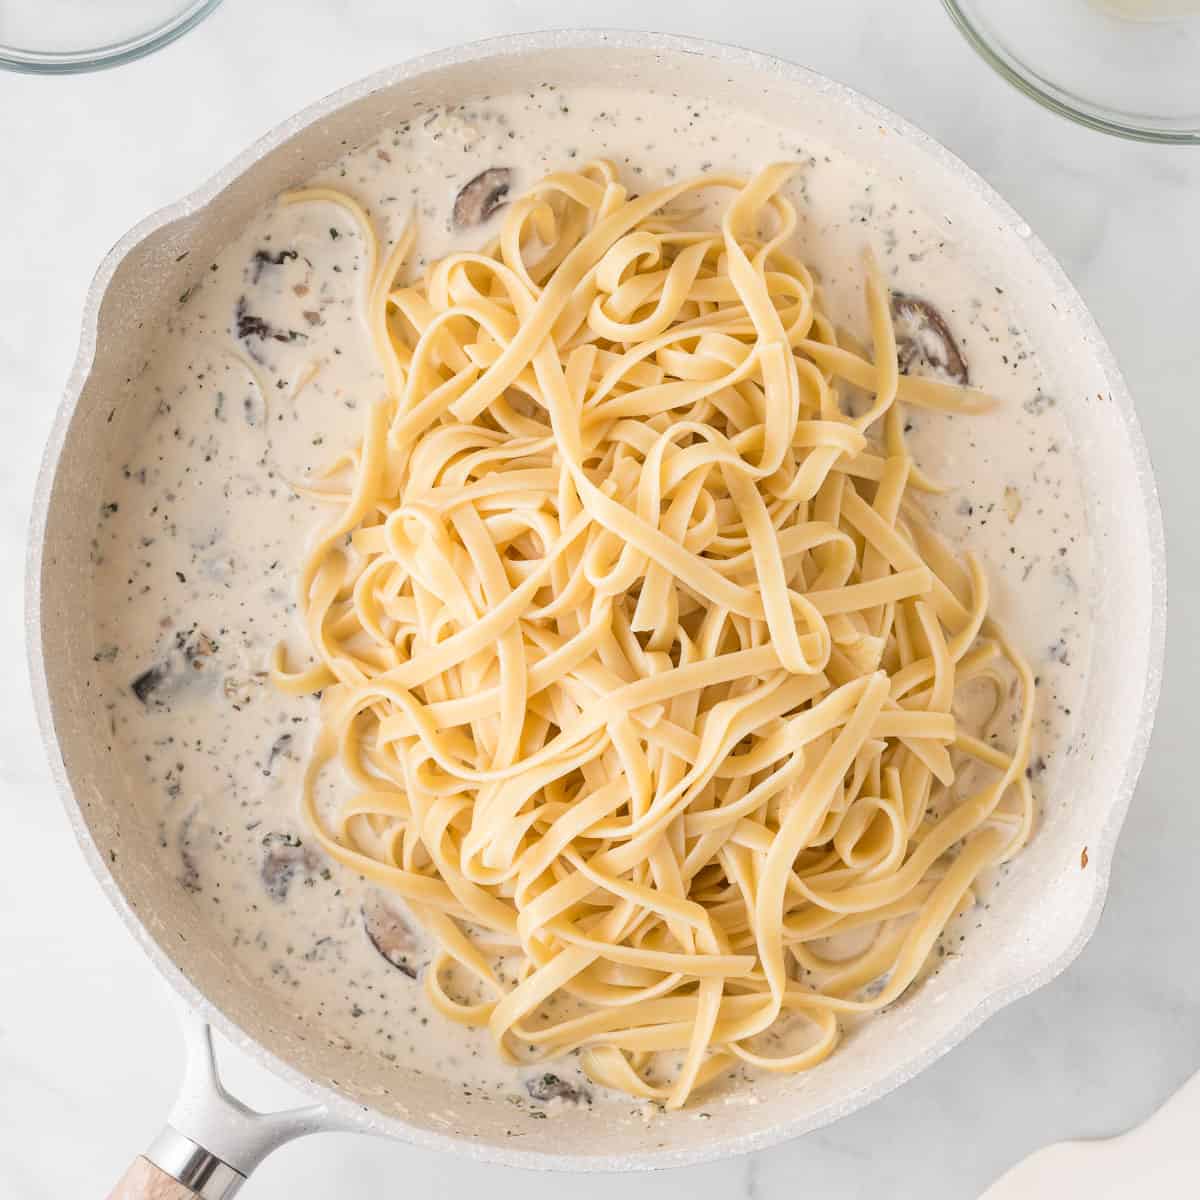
x=89, y=1051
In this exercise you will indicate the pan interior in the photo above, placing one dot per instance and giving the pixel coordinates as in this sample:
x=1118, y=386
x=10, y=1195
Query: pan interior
x=1030, y=925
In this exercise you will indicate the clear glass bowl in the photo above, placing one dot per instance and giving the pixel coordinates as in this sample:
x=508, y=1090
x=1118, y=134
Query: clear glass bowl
x=61, y=37
x=1128, y=67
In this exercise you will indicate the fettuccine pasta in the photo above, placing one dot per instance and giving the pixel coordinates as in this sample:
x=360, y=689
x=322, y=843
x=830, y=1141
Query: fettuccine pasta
x=637, y=653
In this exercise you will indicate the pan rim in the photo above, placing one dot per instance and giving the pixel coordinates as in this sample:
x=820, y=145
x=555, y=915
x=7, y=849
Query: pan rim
x=1100, y=850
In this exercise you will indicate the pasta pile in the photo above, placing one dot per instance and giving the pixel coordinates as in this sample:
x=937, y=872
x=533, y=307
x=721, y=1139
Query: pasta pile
x=638, y=654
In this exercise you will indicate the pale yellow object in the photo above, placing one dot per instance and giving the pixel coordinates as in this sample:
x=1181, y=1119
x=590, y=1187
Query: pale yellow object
x=638, y=656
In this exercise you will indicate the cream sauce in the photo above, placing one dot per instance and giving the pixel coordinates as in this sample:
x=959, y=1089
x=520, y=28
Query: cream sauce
x=264, y=373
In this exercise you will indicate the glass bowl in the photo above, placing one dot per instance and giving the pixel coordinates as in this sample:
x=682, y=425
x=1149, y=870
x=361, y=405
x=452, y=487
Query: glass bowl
x=62, y=37
x=1127, y=67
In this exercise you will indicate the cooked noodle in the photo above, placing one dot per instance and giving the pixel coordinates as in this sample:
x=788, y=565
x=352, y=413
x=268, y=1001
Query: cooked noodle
x=636, y=650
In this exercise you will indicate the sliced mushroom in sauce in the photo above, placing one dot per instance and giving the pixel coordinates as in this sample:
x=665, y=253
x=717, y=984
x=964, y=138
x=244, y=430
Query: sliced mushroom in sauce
x=184, y=661
x=146, y=686
x=924, y=343
x=551, y=1087
x=247, y=326
x=480, y=197
x=390, y=934
x=264, y=258
x=285, y=858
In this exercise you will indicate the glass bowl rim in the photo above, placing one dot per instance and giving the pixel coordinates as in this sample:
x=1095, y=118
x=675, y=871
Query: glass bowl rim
x=112, y=54
x=1059, y=100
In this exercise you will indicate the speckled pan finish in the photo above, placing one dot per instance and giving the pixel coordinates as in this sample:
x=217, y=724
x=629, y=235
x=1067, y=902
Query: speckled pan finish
x=1036, y=924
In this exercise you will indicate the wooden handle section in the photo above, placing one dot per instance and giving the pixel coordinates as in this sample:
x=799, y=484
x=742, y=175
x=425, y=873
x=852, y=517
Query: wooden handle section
x=144, y=1181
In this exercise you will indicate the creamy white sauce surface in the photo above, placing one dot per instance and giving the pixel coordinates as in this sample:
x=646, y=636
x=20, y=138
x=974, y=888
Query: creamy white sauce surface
x=200, y=535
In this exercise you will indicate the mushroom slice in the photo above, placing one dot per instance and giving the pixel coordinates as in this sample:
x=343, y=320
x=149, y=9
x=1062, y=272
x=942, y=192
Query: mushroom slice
x=264, y=258
x=390, y=934
x=286, y=857
x=545, y=1088
x=481, y=196
x=924, y=342
x=150, y=681
x=157, y=686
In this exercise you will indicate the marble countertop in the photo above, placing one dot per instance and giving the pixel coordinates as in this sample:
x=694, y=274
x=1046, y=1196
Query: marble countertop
x=89, y=1048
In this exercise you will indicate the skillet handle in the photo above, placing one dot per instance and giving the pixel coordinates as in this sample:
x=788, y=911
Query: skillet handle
x=212, y=1141
x=177, y=1168
x=145, y=1181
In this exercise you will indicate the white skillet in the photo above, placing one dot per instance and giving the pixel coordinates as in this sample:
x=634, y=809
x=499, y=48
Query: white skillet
x=1033, y=927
